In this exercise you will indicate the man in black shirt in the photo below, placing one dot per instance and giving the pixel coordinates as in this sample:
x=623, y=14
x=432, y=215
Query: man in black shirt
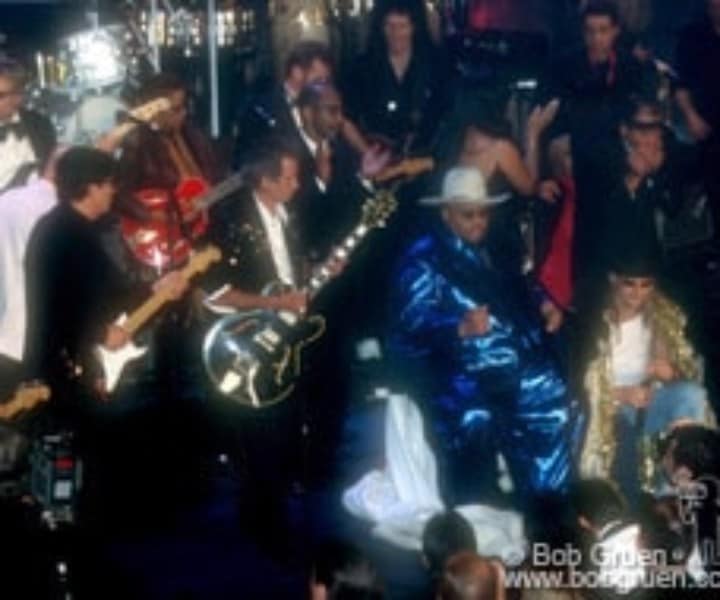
x=698, y=94
x=74, y=289
x=637, y=173
x=595, y=84
x=595, y=81
x=74, y=293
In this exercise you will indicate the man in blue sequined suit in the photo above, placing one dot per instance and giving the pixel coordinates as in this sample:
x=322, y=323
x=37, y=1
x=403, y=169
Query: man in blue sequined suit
x=470, y=342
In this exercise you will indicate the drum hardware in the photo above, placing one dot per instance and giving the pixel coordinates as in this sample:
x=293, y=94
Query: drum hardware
x=188, y=30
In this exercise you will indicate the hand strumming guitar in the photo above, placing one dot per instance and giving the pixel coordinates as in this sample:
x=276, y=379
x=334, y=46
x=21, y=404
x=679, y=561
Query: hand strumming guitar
x=115, y=337
x=292, y=301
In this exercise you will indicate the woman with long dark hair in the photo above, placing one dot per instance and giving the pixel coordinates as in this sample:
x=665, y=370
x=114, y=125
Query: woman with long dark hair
x=398, y=89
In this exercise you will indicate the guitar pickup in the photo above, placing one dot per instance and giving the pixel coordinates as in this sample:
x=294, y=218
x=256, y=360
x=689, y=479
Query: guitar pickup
x=230, y=382
x=268, y=339
x=288, y=317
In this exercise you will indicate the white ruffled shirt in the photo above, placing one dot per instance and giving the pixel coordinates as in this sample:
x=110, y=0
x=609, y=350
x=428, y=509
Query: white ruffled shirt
x=20, y=209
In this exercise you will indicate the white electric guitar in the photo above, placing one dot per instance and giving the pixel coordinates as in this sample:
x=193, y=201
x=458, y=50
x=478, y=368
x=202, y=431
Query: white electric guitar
x=113, y=362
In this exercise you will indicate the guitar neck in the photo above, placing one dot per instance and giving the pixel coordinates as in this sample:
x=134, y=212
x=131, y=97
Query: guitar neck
x=325, y=273
x=219, y=192
x=152, y=305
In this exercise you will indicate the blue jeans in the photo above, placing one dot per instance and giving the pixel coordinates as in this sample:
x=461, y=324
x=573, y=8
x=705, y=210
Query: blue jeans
x=670, y=403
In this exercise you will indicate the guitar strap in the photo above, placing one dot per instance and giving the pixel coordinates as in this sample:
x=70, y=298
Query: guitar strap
x=182, y=157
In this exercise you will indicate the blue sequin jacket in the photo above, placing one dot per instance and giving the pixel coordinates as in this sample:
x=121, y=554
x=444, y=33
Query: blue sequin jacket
x=437, y=281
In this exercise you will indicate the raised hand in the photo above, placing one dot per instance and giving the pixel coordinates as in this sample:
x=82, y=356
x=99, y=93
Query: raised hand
x=374, y=160
x=541, y=117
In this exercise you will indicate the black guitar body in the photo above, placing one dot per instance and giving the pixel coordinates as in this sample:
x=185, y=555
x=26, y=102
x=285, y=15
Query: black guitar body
x=255, y=357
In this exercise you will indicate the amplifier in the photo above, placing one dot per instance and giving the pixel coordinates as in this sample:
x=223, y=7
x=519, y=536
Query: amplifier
x=55, y=475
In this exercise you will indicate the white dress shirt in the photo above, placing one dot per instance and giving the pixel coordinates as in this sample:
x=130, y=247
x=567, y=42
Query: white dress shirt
x=291, y=99
x=20, y=209
x=274, y=225
x=631, y=343
x=14, y=153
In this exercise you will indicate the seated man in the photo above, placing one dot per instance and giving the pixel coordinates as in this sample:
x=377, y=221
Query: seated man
x=642, y=375
x=470, y=346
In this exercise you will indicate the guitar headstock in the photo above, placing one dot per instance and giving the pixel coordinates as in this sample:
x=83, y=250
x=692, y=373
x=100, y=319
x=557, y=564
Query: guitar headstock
x=202, y=260
x=376, y=210
x=148, y=111
x=26, y=397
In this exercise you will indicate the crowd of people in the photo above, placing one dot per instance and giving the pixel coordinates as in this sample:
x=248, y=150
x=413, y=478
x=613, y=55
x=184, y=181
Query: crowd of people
x=525, y=296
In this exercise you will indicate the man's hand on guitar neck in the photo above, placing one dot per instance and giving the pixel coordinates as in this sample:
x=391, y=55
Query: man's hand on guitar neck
x=173, y=285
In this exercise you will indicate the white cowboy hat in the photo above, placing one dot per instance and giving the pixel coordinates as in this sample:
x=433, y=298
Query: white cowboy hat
x=464, y=185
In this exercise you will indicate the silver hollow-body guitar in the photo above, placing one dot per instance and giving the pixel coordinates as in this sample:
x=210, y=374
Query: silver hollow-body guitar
x=255, y=357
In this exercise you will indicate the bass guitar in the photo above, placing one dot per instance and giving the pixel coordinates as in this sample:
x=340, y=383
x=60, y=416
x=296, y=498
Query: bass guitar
x=113, y=362
x=255, y=357
x=26, y=397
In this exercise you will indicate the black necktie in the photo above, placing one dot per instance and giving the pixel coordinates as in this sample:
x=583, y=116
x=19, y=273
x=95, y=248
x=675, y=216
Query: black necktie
x=8, y=128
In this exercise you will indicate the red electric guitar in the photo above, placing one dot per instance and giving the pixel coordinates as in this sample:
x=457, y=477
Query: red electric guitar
x=176, y=221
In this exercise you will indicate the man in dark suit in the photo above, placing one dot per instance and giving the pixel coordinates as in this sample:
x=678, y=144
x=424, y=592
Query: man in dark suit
x=333, y=188
x=331, y=183
x=260, y=246
x=275, y=111
x=26, y=137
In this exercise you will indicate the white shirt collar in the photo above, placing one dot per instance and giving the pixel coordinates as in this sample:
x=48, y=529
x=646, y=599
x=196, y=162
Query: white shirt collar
x=290, y=96
x=311, y=144
x=280, y=213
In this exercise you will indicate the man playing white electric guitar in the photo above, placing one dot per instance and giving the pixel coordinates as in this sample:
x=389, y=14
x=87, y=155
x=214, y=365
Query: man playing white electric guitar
x=74, y=290
x=20, y=210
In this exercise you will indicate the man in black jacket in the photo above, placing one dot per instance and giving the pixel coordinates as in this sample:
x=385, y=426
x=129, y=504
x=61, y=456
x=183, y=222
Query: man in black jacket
x=276, y=111
x=260, y=247
x=74, y=290
x=26, y=137
x=330, y=186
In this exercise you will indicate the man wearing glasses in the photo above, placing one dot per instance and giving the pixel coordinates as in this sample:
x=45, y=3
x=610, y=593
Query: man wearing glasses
x=26, y=137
